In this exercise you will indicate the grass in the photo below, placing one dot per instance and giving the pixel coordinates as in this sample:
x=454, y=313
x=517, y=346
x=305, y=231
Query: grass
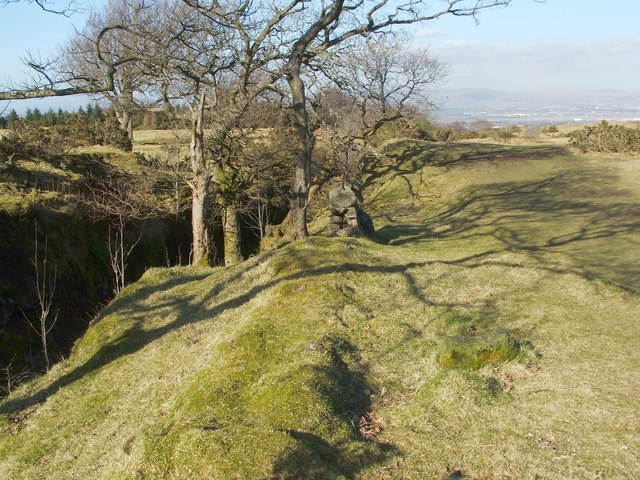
x=320, y=359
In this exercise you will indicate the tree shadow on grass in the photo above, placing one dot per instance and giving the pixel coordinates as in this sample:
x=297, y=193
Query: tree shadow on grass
x=579, y=211
x=409, y=157
x=191, y=310
x=314, y=457
x=349, y=399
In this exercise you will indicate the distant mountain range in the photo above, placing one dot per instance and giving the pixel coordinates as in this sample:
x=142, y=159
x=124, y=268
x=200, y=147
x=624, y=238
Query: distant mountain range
x=536, y=107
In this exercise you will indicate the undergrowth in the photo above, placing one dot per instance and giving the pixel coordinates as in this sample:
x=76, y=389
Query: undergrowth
x=606, y=138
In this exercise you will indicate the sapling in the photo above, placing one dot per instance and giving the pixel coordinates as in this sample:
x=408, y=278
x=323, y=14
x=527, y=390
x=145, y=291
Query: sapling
x=44, y=287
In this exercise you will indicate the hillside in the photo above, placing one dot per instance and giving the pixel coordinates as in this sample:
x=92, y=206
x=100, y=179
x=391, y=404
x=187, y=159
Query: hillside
x=323, y=359
x=46, y=198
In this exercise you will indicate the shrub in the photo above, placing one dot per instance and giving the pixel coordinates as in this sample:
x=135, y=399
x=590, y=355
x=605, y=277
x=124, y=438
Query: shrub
x=505, y=134
x=23, y=144
x=551, y=129
x=28, y=139
x=606, y=138
x=447, y=133
x=404, y=127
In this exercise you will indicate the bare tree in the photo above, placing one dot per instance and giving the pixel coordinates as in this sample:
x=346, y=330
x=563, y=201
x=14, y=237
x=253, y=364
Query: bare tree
x=329, y=25
x=120, y=201
x=380, y=81
x=52, y=77
x=65, y=8
x=219, y=58
x=82, y=63
x=45, y=287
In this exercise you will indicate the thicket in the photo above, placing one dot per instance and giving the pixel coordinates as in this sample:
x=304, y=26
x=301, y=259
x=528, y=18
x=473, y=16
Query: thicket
x=550, y=130
x=27, y=138
x=606, y=138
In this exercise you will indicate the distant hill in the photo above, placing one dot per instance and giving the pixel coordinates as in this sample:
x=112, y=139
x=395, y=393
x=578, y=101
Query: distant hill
x=543, y=106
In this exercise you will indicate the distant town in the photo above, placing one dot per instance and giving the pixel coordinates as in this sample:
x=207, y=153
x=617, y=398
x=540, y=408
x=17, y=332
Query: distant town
x=536, y=108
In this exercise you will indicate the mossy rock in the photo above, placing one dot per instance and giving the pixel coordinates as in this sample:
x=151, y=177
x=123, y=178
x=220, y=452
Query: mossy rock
x=476, y=351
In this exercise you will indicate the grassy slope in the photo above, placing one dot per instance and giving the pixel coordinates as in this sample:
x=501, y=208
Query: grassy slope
x=225, y=373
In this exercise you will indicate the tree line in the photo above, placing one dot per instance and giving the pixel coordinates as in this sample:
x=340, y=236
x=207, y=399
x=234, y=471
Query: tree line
x=50, y=118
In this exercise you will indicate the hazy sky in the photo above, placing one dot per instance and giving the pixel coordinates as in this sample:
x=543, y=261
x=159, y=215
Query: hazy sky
x=555, y=44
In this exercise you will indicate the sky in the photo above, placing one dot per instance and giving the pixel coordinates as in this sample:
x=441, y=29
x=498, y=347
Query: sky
x=534, y=45
x=530, y=45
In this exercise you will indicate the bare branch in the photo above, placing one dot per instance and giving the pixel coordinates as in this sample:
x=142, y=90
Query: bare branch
x=66, y=10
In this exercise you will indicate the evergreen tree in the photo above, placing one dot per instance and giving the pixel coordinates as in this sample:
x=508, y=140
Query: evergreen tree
x=12, y=118
x=50, y=118
x=98, y=112
x=37, y=116
x=62, y=117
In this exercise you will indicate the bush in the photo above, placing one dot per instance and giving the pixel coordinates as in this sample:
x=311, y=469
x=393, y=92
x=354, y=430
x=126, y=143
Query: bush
x=28, y=139
x=13, y=148
x=505, y=134
x=431, y=132
x=551, y=129
x=606, y=138
x=404, y=127
x=454, y=131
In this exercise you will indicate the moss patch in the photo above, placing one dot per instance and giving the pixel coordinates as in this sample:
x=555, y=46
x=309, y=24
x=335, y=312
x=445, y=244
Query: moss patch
x=475, y=351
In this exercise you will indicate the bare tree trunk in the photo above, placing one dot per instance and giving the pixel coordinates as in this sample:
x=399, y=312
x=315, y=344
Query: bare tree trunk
x=305, y=139
x=262, y=217
x=128, y=125
x=199, y=194
x=199, y=185
x=232, y=241
x=304, y=152
x=125, y=119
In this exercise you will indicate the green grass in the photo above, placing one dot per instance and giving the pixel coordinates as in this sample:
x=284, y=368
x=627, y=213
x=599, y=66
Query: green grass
x=320, y=359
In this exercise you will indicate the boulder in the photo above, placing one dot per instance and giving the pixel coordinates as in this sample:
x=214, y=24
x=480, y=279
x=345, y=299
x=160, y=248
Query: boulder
x=342, y=196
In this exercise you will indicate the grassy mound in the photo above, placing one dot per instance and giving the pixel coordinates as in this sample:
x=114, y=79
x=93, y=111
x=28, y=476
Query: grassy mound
x=320, y=359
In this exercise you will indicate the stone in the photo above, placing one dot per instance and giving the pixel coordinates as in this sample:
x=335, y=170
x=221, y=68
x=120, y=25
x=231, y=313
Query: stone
x=353, y=231
x=352, y=213
x=346, y=214
x=475, y=351
x=342, y=196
